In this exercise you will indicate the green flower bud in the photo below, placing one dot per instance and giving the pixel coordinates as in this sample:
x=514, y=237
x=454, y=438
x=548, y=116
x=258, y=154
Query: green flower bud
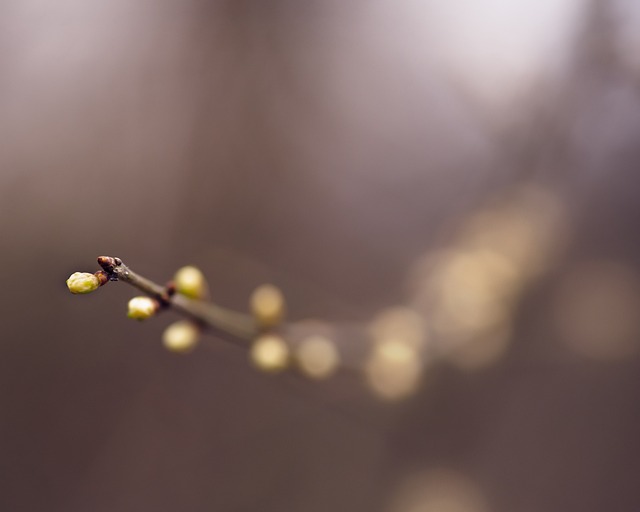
x=181, y=336
x=190, y=282
x=267, y=305
x=83, y=282
x=270, y=353
x=141, y=308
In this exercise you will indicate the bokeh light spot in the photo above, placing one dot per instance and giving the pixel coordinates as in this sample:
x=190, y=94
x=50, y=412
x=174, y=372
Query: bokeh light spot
x=439, y=491
x=317, y=357
x=393, y=369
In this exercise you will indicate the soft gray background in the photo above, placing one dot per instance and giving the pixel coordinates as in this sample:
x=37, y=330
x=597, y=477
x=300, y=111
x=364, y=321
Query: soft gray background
x=324, y=146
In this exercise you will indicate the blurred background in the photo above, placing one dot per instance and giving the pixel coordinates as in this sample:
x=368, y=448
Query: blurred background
x=450, y=189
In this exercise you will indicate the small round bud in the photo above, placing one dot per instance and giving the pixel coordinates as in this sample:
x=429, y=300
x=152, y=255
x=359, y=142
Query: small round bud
x=141, y=308
x=267, y=305
x=190, y=282
x=270, y=353
x=181, y=336
x=83, y=282
x=317, y=357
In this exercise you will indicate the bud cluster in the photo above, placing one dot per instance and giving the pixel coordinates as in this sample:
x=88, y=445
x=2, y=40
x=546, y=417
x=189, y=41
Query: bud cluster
x=315, y=355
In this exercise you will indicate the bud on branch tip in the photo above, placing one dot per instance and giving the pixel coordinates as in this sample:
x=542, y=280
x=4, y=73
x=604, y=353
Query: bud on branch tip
x=83, y=282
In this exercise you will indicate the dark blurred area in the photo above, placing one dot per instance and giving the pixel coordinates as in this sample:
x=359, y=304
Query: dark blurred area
x=458, y=180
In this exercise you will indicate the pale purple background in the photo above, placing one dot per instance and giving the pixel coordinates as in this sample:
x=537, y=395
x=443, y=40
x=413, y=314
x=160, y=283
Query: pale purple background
x=323, y=145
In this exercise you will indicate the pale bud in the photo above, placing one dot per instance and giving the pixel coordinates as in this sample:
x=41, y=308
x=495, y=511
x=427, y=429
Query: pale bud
x=141, y=308
x=270, y=353
x=83, y=282
x=181, y=336
x=267, y=305
x=317, y=357
x=190, y=282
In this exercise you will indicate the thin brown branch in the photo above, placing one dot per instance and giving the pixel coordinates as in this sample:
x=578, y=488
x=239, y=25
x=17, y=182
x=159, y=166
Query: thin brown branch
x=229, y=325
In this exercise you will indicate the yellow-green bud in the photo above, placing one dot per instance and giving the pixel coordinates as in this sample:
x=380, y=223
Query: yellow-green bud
x=141, y=308
x=181, y=336
x=267, y=305
x=190, y=282
x=83, y=282
x=270, y=353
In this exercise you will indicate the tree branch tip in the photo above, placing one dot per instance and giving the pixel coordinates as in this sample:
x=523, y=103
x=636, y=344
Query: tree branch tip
x=109, y=263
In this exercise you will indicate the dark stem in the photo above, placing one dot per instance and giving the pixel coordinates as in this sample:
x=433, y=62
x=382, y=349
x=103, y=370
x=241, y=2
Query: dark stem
x=226, y=324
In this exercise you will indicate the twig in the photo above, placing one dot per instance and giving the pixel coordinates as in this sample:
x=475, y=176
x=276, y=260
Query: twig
x=229, y=325
x=272, y=344
x=237, y=328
